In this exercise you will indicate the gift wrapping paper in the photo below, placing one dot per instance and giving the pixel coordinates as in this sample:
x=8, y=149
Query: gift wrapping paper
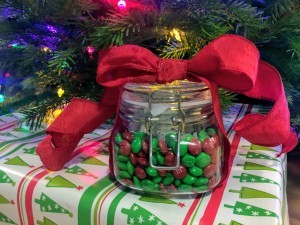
x=84, y=193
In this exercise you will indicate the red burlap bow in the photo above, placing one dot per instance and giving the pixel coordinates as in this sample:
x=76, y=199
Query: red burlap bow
x=230, y=61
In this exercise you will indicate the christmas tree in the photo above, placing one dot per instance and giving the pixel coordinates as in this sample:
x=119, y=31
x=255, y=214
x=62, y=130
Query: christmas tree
x=31, y=151
x=48, y=49
x=93, y=161
x=4, y=200
x=17, y=161
x=59, y=181
x=244, y=209
x=48, y=205
x=246, y=192
x=4, y=178
x=254, y=155
x=79, y=171
x=5, y=219
x=250, y=178
x=46, y=221
x=138, y=215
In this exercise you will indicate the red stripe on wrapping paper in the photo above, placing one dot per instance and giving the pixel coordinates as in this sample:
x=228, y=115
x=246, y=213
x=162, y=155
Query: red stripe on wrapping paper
x=192, y=209
x=19, y=193
x=212, y=207
x=8, y=126
x=103, y=200
x=29, y=194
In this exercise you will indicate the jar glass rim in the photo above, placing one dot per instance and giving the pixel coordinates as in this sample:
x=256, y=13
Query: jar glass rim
x=177, y=85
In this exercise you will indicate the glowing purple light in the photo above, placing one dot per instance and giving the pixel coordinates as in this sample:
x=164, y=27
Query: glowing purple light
x=51, y=29
x=122, y=5
x=90, y=49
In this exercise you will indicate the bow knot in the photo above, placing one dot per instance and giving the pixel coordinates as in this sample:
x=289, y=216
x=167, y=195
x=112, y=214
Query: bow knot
x=169, y=70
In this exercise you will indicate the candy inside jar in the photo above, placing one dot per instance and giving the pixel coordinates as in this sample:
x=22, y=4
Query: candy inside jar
x=167, y=142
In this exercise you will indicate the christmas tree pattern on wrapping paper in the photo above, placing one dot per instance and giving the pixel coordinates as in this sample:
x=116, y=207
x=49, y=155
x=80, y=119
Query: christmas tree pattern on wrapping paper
x=4, y=200
x=59, y=181
x=255, y=166
x=93, y=161
x=45, y=221
x=80, y=171
x=31, y=151
x=137, y=215
x=5, y=219
x=250, y=178
x=156, y=199
x=246, y=192
x=48, y=205
x=254, y=155
x=4, y=178
x=232, y=222
x=244, y=209
x=254, y=147
x=16, y=161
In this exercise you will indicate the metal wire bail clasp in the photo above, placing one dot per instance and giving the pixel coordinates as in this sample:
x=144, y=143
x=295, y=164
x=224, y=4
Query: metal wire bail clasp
x=178, y=121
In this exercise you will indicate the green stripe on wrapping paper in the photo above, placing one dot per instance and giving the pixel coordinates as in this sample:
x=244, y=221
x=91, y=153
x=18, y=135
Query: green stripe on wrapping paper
x=14, y=150
x=87, y=199
x=97, y=209
x=113, y=206
x=2, y=144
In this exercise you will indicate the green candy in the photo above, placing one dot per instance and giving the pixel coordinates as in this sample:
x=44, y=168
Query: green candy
x=202, y=135
x=157, y=180
x=136, y=145
x=211, y=131
x=124, y=174
x=168, y=179
x=184, y=187
x=151, y=171
x=201, y=181
x=136, y=182
x=117, y=148
x=195, y=171
x=122, y=166
x=118, y=138
x=172, y=136
x=160, y=158
x=188, y=179
x=147, y=185
x=203, y=160
x=188, y=137
x=154, y=161
x=139, y=134
x=154, y=144
x=177, y=182
x=130, y=168
x=202, y=188
x=183, y=148
x=188, y=160
x=122, y=158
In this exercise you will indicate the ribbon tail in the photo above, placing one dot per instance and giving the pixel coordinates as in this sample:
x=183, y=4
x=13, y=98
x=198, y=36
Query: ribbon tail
x=274, y=128
x=79, y=117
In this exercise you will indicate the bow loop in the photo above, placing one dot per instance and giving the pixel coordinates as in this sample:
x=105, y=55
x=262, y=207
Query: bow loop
x=230, y=61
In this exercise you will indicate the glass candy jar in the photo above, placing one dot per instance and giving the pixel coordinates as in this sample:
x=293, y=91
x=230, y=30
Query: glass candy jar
x=166, y=139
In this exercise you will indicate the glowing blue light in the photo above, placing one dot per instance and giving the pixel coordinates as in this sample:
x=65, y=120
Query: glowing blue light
x=1, y=98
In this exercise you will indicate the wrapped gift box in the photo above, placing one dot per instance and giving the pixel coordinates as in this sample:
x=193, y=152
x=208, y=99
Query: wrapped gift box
x=84, y=193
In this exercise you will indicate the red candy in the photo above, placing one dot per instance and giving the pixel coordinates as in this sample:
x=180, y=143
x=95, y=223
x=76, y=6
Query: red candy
x=210, y=145
x=133, y=159
x=172, y=188
x=163, y=147
x=140, y=173
x=143, y=161
x=128, y=136
x=162, y=173
x=195, y=146
x=145, y=146
x=210, y=170
x=180, y=173
x=215, y=158
x=212, y=181
x=170, y=159
x=142, y=154
x=162, y=187
x=125, y=148
x=127, y=182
